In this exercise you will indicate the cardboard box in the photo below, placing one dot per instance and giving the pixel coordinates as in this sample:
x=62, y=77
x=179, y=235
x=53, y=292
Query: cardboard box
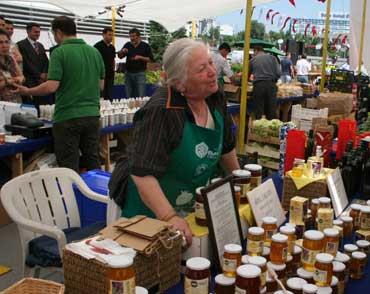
x=232, y=93
x=298, y=210
x=324, y=218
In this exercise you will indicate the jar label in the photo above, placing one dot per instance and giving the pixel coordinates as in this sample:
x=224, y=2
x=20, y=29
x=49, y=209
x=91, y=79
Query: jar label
x=357, y=221
x=309, y=256
x=341, y=286
x=320, y=276
x=365, y=223
x=240, y=291
x=255, y=246
x=122, y=287
x=324, y=221
x=229, y=265
x=255, y=182
x=196, y=286
x=199, y=211
x=332, y=248
x=284, y=254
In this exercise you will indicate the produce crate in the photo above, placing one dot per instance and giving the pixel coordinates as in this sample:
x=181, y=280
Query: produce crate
x=35, y=286
x=263, y=152
x=302, y=117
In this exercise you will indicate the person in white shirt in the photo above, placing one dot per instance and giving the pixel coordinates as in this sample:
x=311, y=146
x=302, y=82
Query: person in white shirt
x=219, y=59
x=303, y=67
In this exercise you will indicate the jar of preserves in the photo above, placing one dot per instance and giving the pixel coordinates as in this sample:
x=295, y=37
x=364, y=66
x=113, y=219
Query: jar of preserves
x=309, y=289
x=355, y=214
x=242, y=178
x=290, y=233
x=363, y=246
x=197, y=275
x=347, y=226
x=324, y=219
x=200, y=213
x=224, y=285
x=263, y=291
x=323, y=269
x=297, y=255
x=358, y=262
x=365, y=218
x=299, y=230
x=282, y=292
x=140, y=290
x=279, y=249
x=350, y=248
x=338, y=223
x=231, y=259
x=312, y=245
x=261, y=262
x=248, y=279
x=324, y=290
x=269, y=224
x=255, y=241
x=280, y=270
x=289, y=266
x=345, y=259
x=339, y=271
x=298, y=165
x=306, y=275
x=238, y=195
x=295, y=285
x=324, y=202
x=256, y=174
x=245, y=259
x=331, y=241
x=315, y=204
x=334, y=285
x=121, y=275
x=266, y=253
x=271, y=285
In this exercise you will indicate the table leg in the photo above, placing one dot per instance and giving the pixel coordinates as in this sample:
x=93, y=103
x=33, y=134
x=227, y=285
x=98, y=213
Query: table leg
x=104, y=140
x=285, y=107
x=17, y=164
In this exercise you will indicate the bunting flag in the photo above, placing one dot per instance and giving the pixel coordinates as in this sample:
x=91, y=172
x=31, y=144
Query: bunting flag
x=272, y=17
x=323, y=31
x=292, y=2
x=293, y=26
x=337, y=38
x=314, y=31
x=285, y=22
x=268, y=14
x=344, y=40
x=280, y=21
x=260, y=14
x=306, y=29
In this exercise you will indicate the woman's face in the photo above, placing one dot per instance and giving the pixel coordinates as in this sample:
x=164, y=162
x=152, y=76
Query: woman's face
x=202, y=78
x=4, y=45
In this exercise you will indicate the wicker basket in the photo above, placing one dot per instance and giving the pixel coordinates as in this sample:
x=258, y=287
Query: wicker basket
x=35, y=286
x=159, y=271
x=313, y=190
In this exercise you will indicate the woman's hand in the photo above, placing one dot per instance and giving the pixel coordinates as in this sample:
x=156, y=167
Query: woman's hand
x=180, y=224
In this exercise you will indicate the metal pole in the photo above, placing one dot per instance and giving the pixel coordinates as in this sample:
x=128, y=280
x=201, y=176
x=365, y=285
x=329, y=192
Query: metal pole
x=193, y=29
x=325, y=45
x=363, y=28
x=243, y=102
x=114, y=25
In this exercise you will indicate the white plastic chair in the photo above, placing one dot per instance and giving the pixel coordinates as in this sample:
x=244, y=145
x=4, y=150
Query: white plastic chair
x=43, y=203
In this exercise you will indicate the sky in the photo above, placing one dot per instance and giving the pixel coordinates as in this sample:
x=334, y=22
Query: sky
x=303, y=9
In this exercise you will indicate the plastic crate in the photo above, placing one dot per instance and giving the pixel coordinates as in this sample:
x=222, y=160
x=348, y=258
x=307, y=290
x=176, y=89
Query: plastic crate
x=92, y=211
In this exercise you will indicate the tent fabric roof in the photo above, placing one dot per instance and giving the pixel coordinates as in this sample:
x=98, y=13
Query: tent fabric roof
x=171, y=14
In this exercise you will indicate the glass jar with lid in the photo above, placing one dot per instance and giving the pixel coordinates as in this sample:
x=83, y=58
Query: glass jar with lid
x=365, y=218
x=279, y=249
x=121, y=274
x=309, y=289
x=271, y=285
x=248, y=279
x=314, y=206
x=280, y=270
x=331, y=241
x=355, y=213
x=339, y=271
x=295, y=285
x=289, y=266
x=347, y=226
x=245, y=259
x=266, y=253
x=350, y=248
x=298, y=166
x=282, y=292
x=297, y=255
x=324, y=202
x=224, y=285
x=290, y=233
x=256, y=174
x=269, y=224
x=324, y=290
x=261, y=262
x=197, y=275
x=255, y=241
x=140, y=290
x=306, y=275
x=312, y=245
x=323, y=269
x=242, y=178
x=231, y=259
x=334, y=284
x=358, y=263
x=363, y=246
x=238, y=195
x=200, y=213
x=345, y=259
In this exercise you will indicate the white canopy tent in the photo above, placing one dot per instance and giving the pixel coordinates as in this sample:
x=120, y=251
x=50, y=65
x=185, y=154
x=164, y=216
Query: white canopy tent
x=171, y=14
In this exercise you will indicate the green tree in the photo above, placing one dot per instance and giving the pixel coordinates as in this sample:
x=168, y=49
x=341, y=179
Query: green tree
x=257, y=30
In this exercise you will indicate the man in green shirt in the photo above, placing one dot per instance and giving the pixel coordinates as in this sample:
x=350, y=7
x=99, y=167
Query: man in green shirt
x=76, y=74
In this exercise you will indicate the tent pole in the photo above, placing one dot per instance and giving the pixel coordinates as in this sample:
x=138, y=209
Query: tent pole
x=193, y=29
x=243, y=102
x=363, y=28
x=114, y=25
x=325, y=45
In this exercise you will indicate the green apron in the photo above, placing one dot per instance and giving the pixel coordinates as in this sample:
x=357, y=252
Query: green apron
x=191, y=165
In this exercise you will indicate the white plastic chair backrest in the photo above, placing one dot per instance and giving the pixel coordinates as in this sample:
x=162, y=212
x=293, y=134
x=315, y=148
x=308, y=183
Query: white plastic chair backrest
x=44, y=196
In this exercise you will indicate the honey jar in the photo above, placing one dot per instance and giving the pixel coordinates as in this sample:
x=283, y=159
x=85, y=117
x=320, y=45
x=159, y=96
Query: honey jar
x=256, y=174
x=224, y=285
x=355, y=214
x=282, y=292
x=324, y=202
x=339, y=271
x=331, y=241
x=297, y=255
x=279, y=249
x=323, y=269
x=345, y=259
x=197, y=275
x=280, y=270
x=324, y=218
x=347, y=226
x=314, y=206
x=306, y=275
x=263, y=291
x=261, y=262
x=271, y=285
x=290, y=233
x=248, y=279
x=350, y=248
x=324, y=290
x=266, y=253
x=312, y=245
x=242, y=178
x=295, y=285
x=200, y=213
x=338, y=223
x=255, y=241
x=121, y=275
x=334, y=285
x=238, y=195
x=289, y=266
x=365, y=218
x=269, y=224
x=358, y=262
x=363, y=246
x=309, y=289
x=140, y=290
x=231, y=259
x=245, y=259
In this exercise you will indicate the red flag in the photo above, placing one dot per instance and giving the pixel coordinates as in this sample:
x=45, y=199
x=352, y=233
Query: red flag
x=294, y=23
x=272, y=17
x=305, y=30
x=268, y=14
x=285, y=22
x=314, y=31
x=344, y=40
x=292, y=2
x=323, y=1
x=336, y=39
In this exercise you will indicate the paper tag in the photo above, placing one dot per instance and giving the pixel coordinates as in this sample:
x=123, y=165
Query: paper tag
x=320, y=276
x=199, y=211
x=122, y=287
x=240, y=291
x=229, y=265
x=309, y=256
x=365, y=223
x=332, y=248
x=357, y=221
x=255, y=246
x=196, y=286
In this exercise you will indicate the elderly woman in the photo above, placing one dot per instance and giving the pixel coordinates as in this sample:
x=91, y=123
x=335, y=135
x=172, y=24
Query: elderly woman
x=180, y=137
x=10, y=74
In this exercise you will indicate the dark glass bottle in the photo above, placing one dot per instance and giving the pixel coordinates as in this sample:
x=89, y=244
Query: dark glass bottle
x=310, y=145
x=347, y=173
x=366, y=179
